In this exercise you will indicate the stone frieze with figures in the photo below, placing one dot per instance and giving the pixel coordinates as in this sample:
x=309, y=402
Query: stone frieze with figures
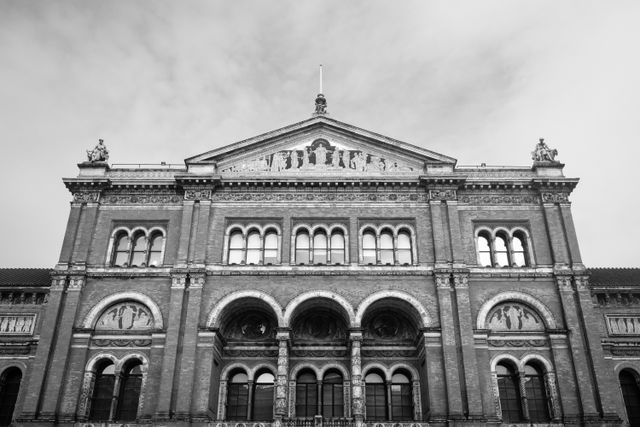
x=319, y=197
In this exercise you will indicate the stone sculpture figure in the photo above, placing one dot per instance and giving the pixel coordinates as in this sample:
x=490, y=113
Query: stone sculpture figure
x=543, y=153
x=305, y=158
x=99, y=153
x=335, y=158
x=321, y=155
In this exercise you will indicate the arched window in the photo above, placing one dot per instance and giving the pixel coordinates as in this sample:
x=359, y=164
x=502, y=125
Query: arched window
x=518, y=253
x=103, y=392
x=376, y=397
x=319, y=247
x=271, y=247
x=386, y=248
x=631, y=396
x=129, y=396
x=236, y=248
x=238, y=397
x=337, y=247
x=263, y=397
x=536, y=395
x=368, y=247
x=501, y=252
x=401, y=398
x=404, y=254
x=332, y=395
x=509, y=390
x=155, y=250
x=9, y=388
x=484, y=250
x=139, y=250
x=302, y=248
x=121, y=252
x=306, y=394
x=253, y=248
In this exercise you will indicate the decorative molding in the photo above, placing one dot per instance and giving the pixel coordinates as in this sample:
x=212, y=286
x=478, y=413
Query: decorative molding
x=555, y=197
x=23, y=298
x=75, y=283
x=394, y=197
x=517, y=343
x=564, y=283
x=86, y=196
x=17, y=324
x=297, y=352
x=461, y=281
x=121, y=342
x=503, y=199
x=264, y=353
x=616, y=299
x=146, y=197
x=622, y=324
x=443, y=281
x=443, y=195
x=197, y=194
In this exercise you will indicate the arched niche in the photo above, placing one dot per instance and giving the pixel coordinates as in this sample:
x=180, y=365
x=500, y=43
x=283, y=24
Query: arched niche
x=220, y=313
x=319, y=320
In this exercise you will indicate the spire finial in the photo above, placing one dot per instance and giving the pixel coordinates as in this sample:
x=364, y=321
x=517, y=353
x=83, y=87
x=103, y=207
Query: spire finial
x=321, y=102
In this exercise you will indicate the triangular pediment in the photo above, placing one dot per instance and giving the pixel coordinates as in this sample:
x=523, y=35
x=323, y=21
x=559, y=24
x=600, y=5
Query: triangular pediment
x=320, y=146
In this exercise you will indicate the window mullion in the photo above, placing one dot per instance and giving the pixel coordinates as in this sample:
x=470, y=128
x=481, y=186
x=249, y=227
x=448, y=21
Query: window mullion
x=492, y=252
x=250, y=400
x=113, y=411
x=389, y=400
x=395, y=249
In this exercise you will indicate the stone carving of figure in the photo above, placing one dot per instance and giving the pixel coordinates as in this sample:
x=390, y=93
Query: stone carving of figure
x=321, y=104
x=345, y=159
x=3, y=324
x=543, y=153
x=335, y=158
x=321, y=155
x=293, y=160
x=613, y=325
x=99, y=153
x=27, y=324
x=305, y=158
x=359, y=161
x=278, y=162
x=376, y=164
x=12, y=325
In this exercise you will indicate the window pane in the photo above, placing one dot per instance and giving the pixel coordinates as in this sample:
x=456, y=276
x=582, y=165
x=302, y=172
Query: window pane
x=376, y=401
x=519, y=258
x=102, y=394
x=337, y=248
x=320, y=248
x=502, y=258
x=263, y=398
x=509, y=395
x=9, y=388
x=631, y=395
x=536, y=395
x=484, y=251
x=236, y=249
x=386, y=248
x=127, y=409
x=404, y=253
x=138, y=252
x=368, y=248
x=271, y=248
x=332, y=396
x=302, y=248
x=122, y=251
x=237, y=401
x=253, y=248
x=155, y=250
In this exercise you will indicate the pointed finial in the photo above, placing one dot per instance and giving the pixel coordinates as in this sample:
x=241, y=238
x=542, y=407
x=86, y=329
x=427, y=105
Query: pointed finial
x=320, y=79
x=321, y=102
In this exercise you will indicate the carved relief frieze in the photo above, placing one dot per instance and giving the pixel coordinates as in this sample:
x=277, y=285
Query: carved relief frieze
x=498, y=199
x=86, y=196
x=228, y=196
x=555, y=197
x=23, y=297
x=514, y=317
x=623, y=325
x=197, y=194
x=442, y=195
x=141, y=197
x=126, y=316
x=17, y=324
x=615, y=299
x=121, y=342
x=517, y=343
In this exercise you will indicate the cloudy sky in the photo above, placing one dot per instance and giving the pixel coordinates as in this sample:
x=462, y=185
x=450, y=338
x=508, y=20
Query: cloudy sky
x=480, y=81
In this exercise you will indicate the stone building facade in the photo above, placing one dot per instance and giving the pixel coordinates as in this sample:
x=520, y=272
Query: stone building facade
x=319, y=274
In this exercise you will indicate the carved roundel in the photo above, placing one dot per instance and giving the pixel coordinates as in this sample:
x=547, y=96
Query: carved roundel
x=126, y=316
x=514, y=317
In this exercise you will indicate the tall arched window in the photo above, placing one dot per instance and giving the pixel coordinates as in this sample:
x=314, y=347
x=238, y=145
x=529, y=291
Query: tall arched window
x=303, y=247
x=236, y=248
x=337, y=247
x=368, y=247
x=139, y=250
x=238, y=397
x=508, y=387
x=253, y=248
x=484, y=250
x=306, y=394
x=271, y=247
x=536, y=395
x=386, y=247
x=129, y=396
x=263, y=397
x=518, y=253
x=401, y=398
x=320, y=247
x=332, y=395
x=103, y=392
x=631, y=396
x=155, y=250
x=9, y=388
x=376, y=397
x=404, y=254
x=121, y=251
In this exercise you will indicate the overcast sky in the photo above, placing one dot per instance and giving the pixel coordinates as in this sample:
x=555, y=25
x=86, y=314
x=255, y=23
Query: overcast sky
x=165, y=80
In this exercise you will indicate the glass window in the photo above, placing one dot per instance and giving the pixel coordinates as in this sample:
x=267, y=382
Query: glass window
x=337, y=247
x=302, y=247
x=376, y=397
x=236, y=248
x=401, y=398
x=155, y=250
x=263, y=397
x=121, y=257
x=138, y=253
x=509, y=394
x=319, y=248
x=386, y=247
x=518, y=255
x=271, y=247
x=332, y=395
x=129, y=393
x=403, y=253
x=253, y=248
x=484, y=251
x=631, y=396
x=237, y=397
x=536, y=395
x=502, y=256
x=9, y=388
x=306, y=395
x=368, y=247
x=102, y=393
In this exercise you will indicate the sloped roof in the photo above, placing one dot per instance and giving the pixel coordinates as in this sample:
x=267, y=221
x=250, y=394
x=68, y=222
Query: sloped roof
x=614, y=277
x=25, y=276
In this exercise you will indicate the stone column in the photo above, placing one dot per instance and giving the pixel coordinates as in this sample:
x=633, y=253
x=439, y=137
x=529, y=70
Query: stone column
x=495, y=393
x=524, y=404
x=165, y=392
x=282, y=378
x=357, y=392
x=552, y=397
x=417, y=400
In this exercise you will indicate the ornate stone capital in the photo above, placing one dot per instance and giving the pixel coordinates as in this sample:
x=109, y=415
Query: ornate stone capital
x=179, y=281
x=564, y=283
x=443, y=281
x=76, y=283
x=443, y=195
x=196, y=281
x=582, y=283
x=57, y=283
x=461, y=281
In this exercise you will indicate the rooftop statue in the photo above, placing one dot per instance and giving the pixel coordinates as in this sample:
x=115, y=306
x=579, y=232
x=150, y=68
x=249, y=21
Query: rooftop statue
x=321, y=104
x=543, y=153
x=99, y=153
